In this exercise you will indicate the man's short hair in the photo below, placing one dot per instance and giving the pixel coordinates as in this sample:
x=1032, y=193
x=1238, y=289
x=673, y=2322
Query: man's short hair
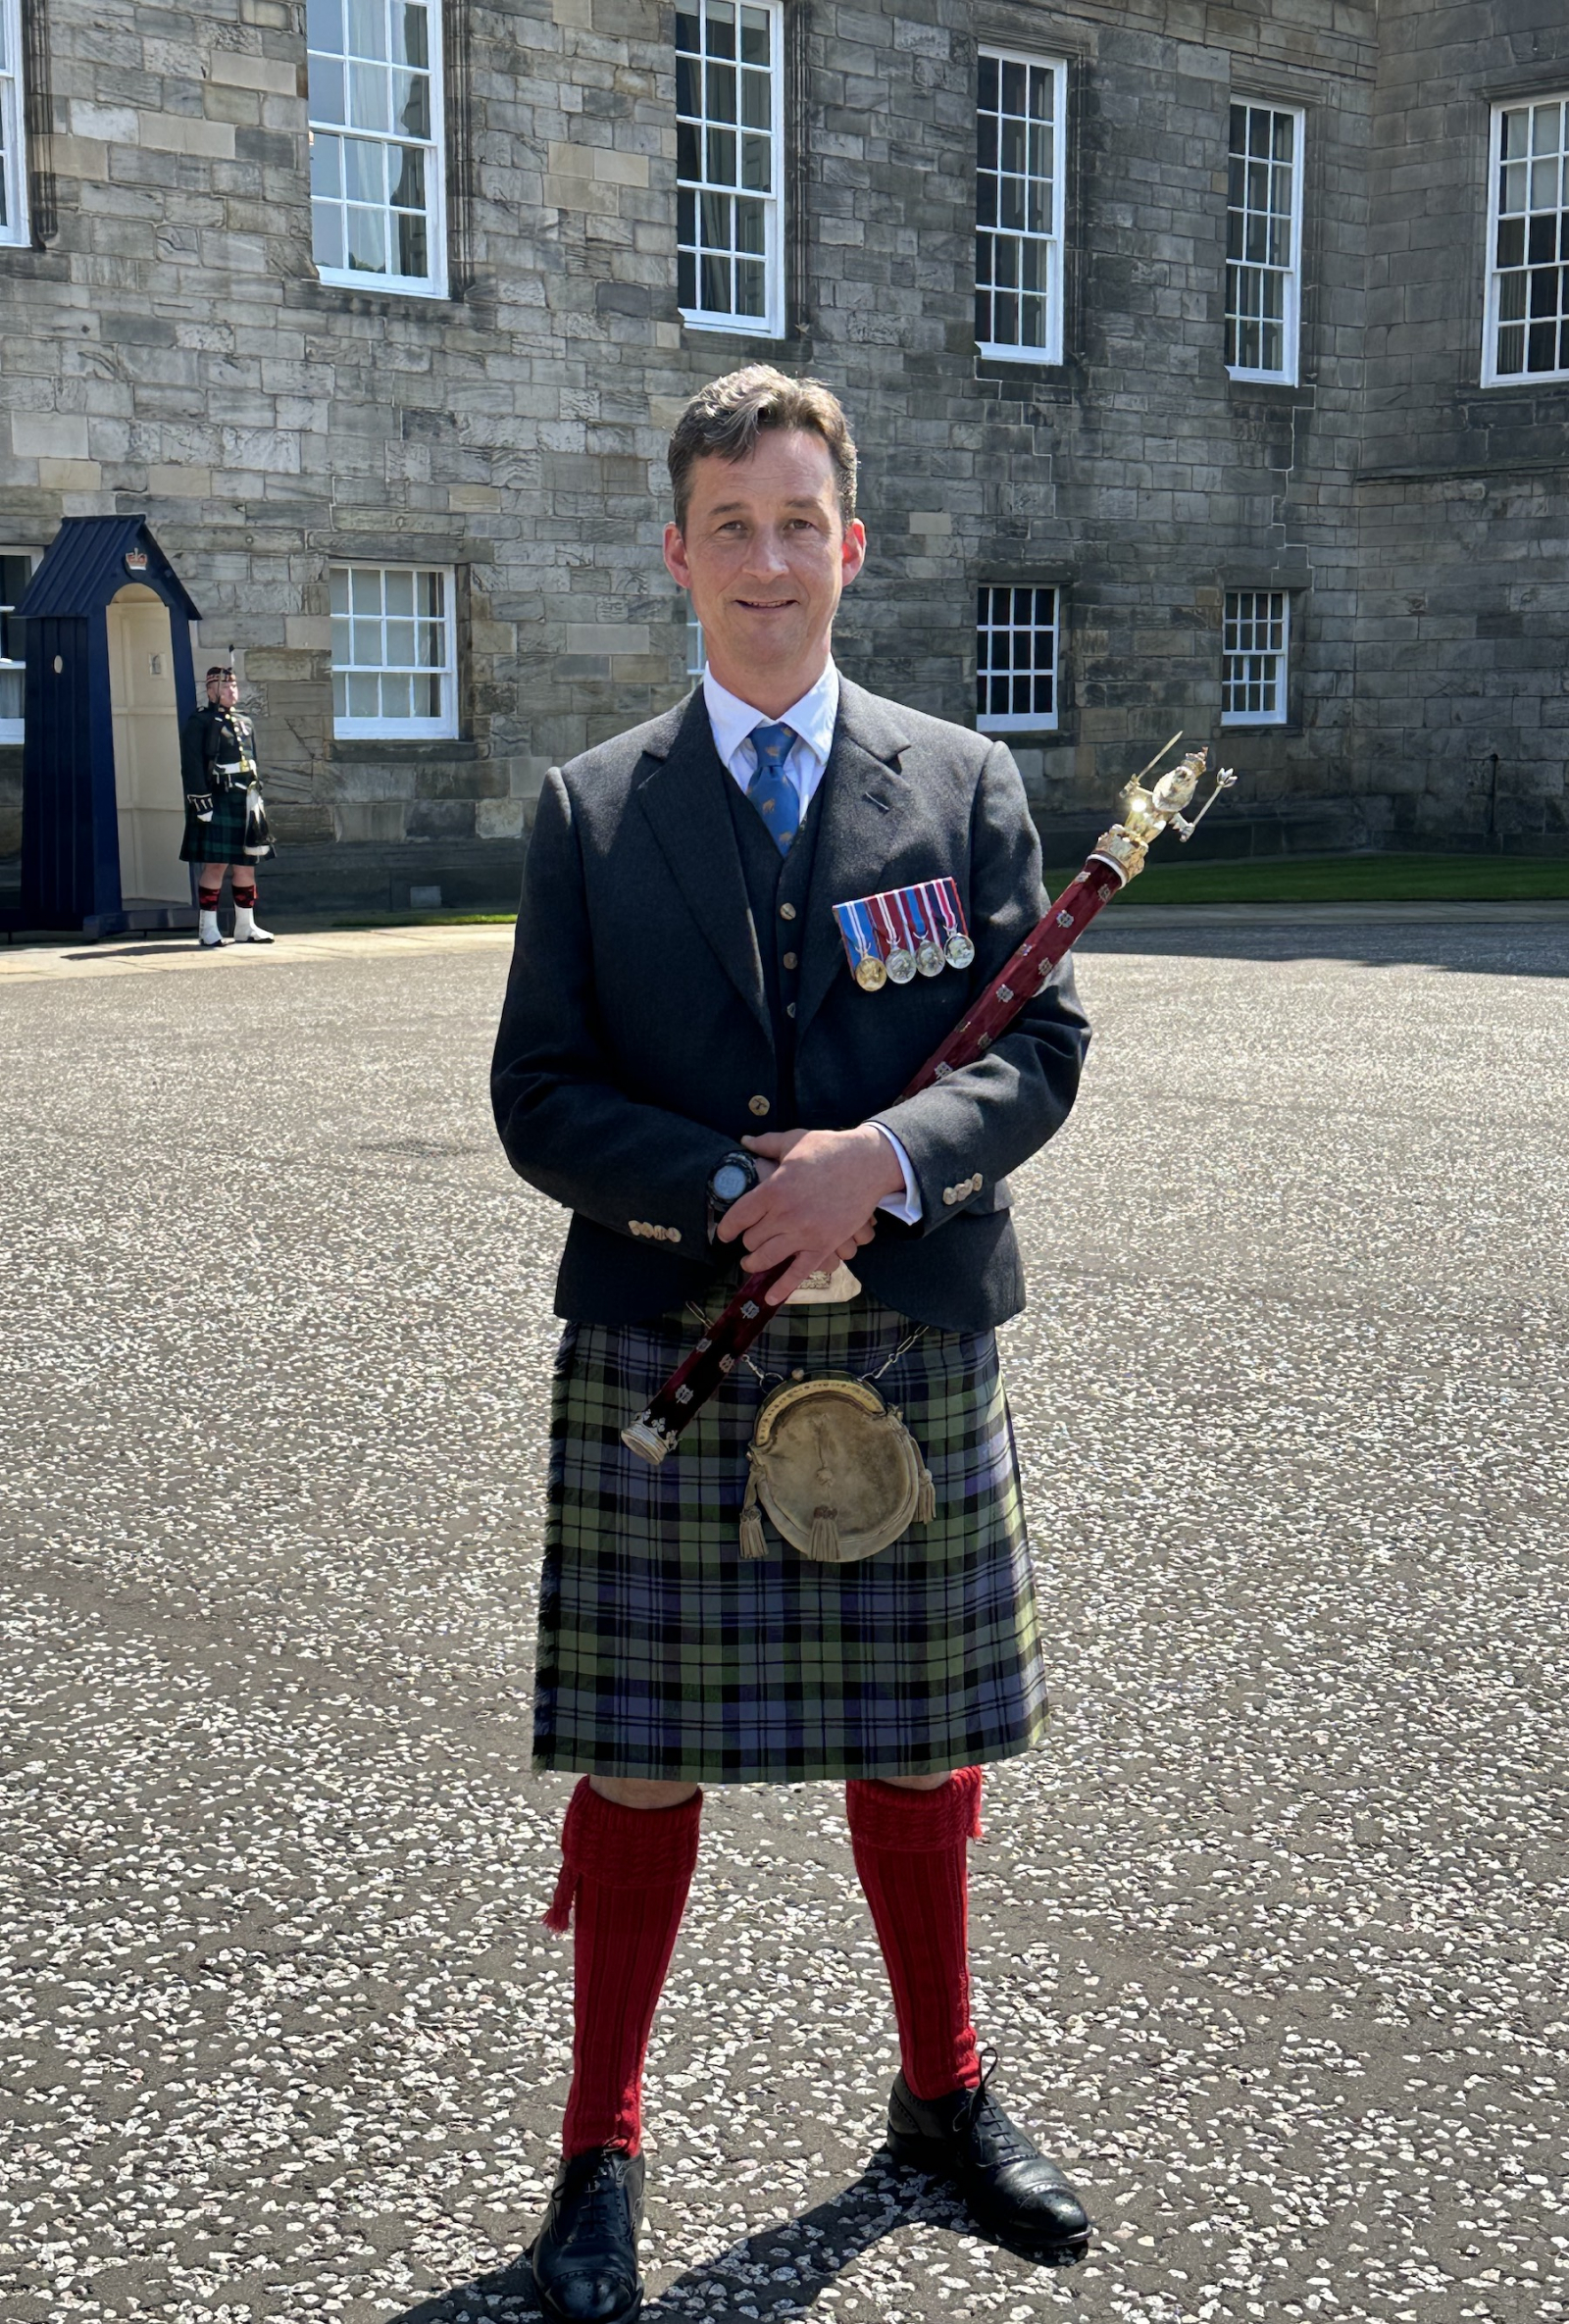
x=219, y=670
x=725, y=418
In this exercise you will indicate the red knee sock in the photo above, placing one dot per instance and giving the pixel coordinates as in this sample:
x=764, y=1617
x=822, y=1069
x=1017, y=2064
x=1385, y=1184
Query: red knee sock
x=911, y=1853
x=208, y=897
x=244, y=897
x=623, y=1878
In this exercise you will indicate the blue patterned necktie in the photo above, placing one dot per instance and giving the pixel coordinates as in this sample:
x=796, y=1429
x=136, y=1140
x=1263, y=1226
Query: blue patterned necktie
x=771, y=789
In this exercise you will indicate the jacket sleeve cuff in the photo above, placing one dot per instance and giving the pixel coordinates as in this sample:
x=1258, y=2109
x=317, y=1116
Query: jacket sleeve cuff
x=905, y=1207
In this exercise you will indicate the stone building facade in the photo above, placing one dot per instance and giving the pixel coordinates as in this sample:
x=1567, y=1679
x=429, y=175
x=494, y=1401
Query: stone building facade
x=181, y=340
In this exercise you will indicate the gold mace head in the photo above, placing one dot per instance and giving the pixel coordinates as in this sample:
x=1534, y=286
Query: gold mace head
x=1148, y=808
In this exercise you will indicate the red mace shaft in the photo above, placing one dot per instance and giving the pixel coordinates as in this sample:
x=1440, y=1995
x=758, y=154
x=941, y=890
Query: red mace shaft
x=1117, y=858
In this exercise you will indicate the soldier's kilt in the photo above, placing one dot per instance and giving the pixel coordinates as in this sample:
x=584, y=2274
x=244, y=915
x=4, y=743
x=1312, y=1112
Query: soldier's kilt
x=663, y=1654
x=221, y=840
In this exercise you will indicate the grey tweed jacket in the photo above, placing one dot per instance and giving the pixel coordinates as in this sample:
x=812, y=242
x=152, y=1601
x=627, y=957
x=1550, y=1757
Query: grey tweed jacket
x=637, y=1048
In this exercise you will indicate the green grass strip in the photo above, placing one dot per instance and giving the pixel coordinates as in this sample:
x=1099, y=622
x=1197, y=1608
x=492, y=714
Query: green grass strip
x=1348, y=879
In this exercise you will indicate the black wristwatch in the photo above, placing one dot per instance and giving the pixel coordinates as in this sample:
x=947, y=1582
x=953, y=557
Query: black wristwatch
x=733, y=1176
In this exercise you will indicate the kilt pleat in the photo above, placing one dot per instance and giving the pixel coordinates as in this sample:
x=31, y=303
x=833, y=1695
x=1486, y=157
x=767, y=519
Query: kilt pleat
x=664, y=1654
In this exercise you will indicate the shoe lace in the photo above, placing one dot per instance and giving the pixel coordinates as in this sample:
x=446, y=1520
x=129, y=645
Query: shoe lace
x=982, y=2116
x=601, y=2201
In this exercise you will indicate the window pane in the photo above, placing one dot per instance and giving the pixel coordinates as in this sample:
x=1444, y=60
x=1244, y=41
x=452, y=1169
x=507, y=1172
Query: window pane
x=366, y=28
x=364, y=170
x=411, y=104
x=365, y=592
x=755, y=36
x=323, y=25
x=327, y=101
x=409, y=191
x=369, y=97
x=411, y=36
x=327, y=164
x=326, y=234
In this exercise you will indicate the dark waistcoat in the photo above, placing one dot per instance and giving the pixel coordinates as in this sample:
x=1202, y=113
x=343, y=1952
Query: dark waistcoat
x=776, y=895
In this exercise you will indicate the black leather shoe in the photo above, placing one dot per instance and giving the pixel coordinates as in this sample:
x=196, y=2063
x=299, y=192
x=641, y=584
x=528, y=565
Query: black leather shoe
x=1014, y=2193
x=584, y=2257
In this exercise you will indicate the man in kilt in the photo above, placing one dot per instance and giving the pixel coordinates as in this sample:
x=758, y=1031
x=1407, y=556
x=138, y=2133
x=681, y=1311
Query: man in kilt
x=688, y=1064
x=225, y=824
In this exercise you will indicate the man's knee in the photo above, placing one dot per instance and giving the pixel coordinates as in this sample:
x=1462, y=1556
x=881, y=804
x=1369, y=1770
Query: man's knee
x=633, y=1792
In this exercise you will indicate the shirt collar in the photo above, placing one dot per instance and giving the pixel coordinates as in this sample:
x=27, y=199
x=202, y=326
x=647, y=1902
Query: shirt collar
x=813, y=716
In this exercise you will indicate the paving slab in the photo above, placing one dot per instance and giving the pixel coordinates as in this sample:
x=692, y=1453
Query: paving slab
x=1269, y=1938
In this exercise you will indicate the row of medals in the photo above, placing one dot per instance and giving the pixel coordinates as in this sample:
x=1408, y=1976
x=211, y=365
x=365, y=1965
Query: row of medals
x=929, y=959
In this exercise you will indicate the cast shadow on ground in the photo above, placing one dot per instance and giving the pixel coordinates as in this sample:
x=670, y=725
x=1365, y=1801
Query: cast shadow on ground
x=1503, y=947
x=777, y=2271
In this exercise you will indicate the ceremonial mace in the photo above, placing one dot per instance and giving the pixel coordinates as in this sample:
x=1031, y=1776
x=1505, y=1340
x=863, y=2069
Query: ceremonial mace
x=1117, y=857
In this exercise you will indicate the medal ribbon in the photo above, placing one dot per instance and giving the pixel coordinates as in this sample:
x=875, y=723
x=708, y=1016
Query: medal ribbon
x=880, y=907
x=942, y=902
x=910, y=902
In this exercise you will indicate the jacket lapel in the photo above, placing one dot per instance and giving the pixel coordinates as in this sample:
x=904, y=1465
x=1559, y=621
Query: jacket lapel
x=866, y=804
x=683, y=799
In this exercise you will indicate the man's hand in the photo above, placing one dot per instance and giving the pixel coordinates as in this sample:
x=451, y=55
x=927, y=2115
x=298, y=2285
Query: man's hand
x=815, y=1205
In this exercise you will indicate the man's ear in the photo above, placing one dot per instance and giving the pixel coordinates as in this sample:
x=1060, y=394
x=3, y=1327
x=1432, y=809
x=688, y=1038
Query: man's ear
x=675, y=564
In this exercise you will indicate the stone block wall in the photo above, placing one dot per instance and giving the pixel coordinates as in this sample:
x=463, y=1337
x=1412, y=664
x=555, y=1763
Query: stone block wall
x=1463, y=676
x=172, y=351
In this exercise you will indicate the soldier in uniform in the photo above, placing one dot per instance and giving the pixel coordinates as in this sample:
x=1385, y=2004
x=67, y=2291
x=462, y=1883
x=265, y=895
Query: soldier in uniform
x=226, y=823
x=686, y=1062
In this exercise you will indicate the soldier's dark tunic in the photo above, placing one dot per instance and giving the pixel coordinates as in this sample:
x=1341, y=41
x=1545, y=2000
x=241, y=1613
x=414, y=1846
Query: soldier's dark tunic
x=218, y=767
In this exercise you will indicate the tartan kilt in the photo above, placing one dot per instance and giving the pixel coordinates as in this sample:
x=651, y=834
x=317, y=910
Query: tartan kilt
x=664, y=1654
x=222, y=841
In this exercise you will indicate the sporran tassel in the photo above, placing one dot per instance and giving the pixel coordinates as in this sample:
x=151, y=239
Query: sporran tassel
x=926, y=1499
x=825, y=1536
x=753, y=1543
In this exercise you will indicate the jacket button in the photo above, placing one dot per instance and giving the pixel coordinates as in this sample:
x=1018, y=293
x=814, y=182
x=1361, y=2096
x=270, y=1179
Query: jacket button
x=787, y=911
x=673, y=1235
x=634, y=1226
x=792, y=960
x=950, y=1196
x=757, y=1105
x=790, y=1008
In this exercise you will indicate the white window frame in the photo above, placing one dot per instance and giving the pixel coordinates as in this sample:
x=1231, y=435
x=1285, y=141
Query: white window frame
x=433, y=284
x=349, y=729
x=1494, y=322
x=14, y=729
x=999, y=350
x=1291, y=272
x=1015, y=722
x=696, y=647
x=14, y=227
x=770, y=325
x=1281, y=657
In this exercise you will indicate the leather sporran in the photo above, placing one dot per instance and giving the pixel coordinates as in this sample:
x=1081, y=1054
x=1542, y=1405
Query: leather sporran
x=837, y=1471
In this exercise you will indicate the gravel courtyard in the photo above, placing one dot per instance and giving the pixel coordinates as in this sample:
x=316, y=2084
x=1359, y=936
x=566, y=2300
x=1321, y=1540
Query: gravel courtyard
x=1269, y=1938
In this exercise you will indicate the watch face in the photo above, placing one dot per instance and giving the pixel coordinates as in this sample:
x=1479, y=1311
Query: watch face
x=731, y=1183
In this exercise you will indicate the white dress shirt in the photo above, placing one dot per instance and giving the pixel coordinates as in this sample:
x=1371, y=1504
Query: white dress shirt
x=812, y=720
